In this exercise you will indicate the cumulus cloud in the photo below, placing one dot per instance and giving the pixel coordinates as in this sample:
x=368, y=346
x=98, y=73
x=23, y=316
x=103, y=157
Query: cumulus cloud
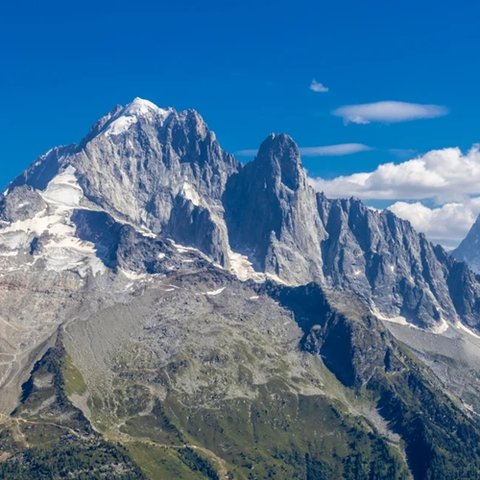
x=444, y=175
x=447, y=178
x=388, y=112
x=447, y=224
x=318, y=87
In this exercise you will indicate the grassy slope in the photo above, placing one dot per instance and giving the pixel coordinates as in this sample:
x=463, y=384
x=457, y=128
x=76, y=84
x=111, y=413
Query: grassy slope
x=279, y=434
x=274, y=432
x=48, y=438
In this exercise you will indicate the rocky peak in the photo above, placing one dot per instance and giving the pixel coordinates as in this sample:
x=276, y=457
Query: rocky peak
x=99, y=125
x=122, y=117
x=278, y=160
x=155, y=168
x=136, y=154
x=469, y=249
x=139, y=106
x=271, y=213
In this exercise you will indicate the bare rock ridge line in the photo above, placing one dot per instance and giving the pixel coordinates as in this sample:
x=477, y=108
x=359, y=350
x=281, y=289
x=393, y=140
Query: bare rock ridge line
x=164, y=172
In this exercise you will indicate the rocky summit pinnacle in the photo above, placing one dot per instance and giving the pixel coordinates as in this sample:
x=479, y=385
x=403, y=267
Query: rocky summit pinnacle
x=278, y=160
x=274, y=188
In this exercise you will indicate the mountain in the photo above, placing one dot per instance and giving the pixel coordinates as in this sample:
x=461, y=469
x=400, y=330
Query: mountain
x=148, y=166
x=468, y=250
x=168, y=312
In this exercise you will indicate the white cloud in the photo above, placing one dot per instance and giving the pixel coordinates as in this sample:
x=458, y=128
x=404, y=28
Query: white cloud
x=318, y=87
x=334, y=150
x=443, y=175
x=320, y=151
x=447, y=178
x=388, y=112
x=447, y=224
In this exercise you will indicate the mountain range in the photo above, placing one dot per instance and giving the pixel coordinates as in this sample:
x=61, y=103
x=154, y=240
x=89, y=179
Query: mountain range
x=169, y=312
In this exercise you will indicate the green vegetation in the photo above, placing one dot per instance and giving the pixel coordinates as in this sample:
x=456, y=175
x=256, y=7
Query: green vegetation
x=74, y=382
x=81, y=461
x=283, y=435
x=48, y=438
x=197, y=463
x=279, y=434
x=441, y=442
x=156, y=426
x=271, y=432
x=162, y=463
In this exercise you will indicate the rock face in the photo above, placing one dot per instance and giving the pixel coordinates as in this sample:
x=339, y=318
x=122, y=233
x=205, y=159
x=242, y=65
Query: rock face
x=149, y=166
x=469, y=249
x=393, y=268
x=218, y=317
x=271, y=213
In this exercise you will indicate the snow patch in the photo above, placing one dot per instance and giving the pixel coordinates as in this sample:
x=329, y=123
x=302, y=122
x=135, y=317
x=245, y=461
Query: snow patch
x=120, y=125
x=63, y=189
x=462, y=327
x=131, y=275
x=277, y=279
x=60, y=248
x=213, y=293
x=8, y=254
x=438, y=329
x=140, y=106
x=442, y=327
x=399, y=320
x=189, y=192
x=242, y=268
x=184, y=249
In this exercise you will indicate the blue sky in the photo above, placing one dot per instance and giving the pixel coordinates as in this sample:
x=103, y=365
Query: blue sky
x=247, y=67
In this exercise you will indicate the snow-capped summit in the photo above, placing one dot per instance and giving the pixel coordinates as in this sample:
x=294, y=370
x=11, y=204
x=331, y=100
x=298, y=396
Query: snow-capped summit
x=141, y=106
x=131, y=113
x=135, y=164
